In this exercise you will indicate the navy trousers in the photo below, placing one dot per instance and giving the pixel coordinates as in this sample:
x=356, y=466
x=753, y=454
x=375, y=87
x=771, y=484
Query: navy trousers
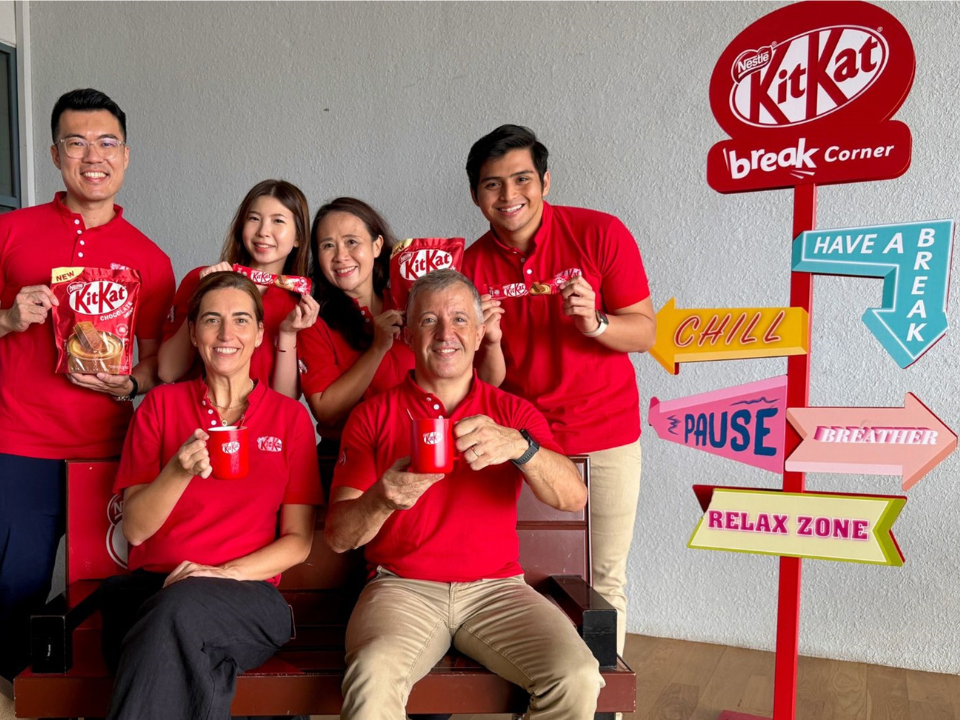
x=31, y=525
x=187, y=644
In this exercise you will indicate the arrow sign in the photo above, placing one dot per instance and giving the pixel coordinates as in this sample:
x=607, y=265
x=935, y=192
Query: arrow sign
x=700, y=334
x=914, y=261
x=908, y=441
x=851, y=528
x=745, y=423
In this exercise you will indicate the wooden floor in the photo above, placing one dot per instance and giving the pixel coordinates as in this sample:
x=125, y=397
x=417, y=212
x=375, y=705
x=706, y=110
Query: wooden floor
x=680, y=680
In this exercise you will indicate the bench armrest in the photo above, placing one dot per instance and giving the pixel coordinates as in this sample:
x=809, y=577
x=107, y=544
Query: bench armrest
x=595, y=618
x=51, y=629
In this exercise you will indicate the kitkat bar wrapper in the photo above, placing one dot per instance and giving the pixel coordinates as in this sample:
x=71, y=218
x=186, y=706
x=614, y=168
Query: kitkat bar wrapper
x=292, y=283
x=95, y=321
x=415, y=257
x=550, y=286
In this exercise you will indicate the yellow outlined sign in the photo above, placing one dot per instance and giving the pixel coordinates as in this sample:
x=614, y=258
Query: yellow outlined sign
x=700, y=334
x=852, y=528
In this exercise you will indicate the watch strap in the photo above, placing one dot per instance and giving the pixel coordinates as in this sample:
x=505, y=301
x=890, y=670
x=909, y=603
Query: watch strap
x=603, y=322
x=532, y=449
x=133, y=393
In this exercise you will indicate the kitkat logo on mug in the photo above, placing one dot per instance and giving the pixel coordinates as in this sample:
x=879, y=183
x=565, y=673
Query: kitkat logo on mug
x=811, y=75
x=230, y=448
x=432, y=438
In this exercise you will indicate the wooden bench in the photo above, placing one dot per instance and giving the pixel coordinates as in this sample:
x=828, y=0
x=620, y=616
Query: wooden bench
x=68, y=677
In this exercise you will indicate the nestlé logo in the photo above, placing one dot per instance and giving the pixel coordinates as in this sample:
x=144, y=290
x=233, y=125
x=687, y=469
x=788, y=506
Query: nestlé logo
x=750, y=61
x=116, y=543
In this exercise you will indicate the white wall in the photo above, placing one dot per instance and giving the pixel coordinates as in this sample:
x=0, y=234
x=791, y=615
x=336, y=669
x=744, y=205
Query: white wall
x=8, y=23
x=383, y=101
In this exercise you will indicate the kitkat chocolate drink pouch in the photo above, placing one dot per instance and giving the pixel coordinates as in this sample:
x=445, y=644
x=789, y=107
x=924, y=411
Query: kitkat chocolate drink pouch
x=415, y=257
x=95, y=320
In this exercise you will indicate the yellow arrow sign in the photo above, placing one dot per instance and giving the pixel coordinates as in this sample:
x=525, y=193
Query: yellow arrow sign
x=700, y=334
x=853, y=528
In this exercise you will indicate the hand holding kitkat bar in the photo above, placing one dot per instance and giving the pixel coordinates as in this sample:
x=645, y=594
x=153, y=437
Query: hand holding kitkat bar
x=292, y=283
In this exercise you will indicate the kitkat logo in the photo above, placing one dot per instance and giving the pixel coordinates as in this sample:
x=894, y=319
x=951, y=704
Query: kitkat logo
x=97, y=298
x=822, y=64
x=268, y=443
x=420, y=262
x=807, y=77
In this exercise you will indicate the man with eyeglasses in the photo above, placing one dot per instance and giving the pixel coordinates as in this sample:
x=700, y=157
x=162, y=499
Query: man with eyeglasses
x=45, y=417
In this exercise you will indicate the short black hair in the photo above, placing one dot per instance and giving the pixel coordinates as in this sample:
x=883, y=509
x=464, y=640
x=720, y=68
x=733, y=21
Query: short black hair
x=86, y=100
x=498, y=143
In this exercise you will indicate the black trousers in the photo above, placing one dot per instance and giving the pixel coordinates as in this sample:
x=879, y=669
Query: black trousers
x=31, y=525
x=186, y=643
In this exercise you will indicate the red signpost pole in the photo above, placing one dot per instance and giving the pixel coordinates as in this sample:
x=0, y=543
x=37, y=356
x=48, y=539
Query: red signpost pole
x=798, y=395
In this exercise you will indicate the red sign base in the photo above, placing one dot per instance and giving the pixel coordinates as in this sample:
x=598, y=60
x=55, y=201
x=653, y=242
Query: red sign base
x=731, y=715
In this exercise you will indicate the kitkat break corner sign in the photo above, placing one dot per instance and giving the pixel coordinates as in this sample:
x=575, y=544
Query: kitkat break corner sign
x=806, y=94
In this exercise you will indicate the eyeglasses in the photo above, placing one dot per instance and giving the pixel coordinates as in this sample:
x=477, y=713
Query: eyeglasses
x=76, y=148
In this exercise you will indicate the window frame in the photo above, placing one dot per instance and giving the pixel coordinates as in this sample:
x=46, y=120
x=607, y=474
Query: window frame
x=15, y=201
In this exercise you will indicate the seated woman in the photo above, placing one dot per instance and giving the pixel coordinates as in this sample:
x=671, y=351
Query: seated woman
x=355, y=350
x=268, y=233
x=202, y=604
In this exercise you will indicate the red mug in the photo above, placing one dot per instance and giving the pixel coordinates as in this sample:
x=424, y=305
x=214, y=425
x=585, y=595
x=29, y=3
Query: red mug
x=431, y=445
x=229, y=452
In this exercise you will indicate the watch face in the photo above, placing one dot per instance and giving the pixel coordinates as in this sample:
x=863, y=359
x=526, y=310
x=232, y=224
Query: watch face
x=602, y=318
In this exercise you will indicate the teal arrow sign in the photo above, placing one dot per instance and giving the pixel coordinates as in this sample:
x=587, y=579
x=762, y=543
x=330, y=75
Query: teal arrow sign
x=914, y=261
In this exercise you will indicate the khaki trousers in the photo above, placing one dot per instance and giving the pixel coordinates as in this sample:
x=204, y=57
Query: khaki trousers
x=614, y=493
x=400, y=628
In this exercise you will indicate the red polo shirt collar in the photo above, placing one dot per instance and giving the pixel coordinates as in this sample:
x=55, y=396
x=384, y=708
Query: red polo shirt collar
x=59, y=203
x=540, y=239
x=210, y=416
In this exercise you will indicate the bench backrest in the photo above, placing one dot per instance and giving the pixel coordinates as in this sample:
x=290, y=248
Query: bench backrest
x=551, y=542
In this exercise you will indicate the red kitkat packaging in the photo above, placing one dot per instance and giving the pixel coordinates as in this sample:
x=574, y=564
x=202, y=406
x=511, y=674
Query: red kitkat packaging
x=95, y=321
x=415, y=257
x=293, y=283
x=550, y=286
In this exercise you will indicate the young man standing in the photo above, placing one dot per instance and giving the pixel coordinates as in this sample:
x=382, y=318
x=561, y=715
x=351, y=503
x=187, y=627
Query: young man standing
x=566, y=300
x=45, y=417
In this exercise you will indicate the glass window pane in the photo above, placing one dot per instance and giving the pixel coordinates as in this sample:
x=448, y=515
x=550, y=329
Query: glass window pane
x=6, y=136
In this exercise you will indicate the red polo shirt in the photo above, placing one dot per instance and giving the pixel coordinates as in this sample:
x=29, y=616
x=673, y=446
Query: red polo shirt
x=277, y=304
x=216, y=521
x=587, y=392
x=464, y=528
x=325, y=355
x=42, y=414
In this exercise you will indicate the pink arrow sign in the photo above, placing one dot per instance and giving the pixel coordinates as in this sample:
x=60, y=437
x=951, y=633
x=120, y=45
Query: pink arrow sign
x=745, y=423
x=908, y=441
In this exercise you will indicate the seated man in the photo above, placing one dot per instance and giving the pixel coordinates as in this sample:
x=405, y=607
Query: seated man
x=443, y=550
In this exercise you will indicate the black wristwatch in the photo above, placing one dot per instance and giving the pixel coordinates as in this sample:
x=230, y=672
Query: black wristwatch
x=133, y=393
x=532, y=449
